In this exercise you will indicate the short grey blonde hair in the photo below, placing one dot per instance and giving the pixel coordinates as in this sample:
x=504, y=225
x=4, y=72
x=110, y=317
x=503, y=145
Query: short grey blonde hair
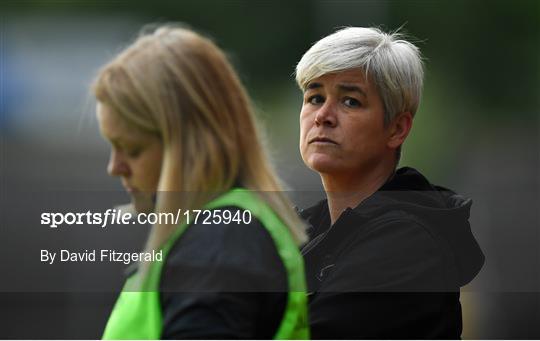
x=392, y=63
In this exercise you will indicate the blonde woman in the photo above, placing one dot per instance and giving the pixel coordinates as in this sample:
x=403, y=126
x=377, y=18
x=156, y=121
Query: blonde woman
x=183, y=137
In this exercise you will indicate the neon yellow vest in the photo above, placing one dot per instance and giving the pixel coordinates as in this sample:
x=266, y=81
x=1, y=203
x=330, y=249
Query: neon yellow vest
x=138, y=315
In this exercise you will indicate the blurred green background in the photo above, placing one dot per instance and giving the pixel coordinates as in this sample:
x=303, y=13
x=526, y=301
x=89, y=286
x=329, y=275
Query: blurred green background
x=476, y=131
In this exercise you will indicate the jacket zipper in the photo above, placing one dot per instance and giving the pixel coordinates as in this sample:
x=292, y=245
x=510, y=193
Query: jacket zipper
x=317, y=240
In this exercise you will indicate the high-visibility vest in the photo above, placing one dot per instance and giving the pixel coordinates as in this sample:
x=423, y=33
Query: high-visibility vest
x=137, y=313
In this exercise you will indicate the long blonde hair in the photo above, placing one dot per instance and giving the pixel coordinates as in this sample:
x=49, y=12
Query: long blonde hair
x=179, y=85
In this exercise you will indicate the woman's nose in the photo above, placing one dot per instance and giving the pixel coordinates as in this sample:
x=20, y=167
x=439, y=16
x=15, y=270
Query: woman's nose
x=326, y=115
x=117, y=165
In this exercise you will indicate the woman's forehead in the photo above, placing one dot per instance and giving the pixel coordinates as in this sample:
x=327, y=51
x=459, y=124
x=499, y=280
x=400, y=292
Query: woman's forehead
x=115, y=128
x=352, y=79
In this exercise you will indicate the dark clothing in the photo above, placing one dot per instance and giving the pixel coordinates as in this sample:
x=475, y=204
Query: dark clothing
x=223, y=281
x=392, y=266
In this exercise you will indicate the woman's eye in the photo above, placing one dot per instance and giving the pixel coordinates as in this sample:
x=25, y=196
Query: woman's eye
x=351, y=102
x=316, y=99
x=134, y=152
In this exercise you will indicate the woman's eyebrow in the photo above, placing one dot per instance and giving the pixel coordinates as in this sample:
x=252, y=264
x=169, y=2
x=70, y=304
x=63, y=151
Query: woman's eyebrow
x=117, y=141
x=122, y=140
x=314, y=85
x=352, y=88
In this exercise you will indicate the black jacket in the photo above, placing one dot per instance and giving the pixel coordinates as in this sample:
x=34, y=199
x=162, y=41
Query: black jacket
x=392, y=266
x=223, y=281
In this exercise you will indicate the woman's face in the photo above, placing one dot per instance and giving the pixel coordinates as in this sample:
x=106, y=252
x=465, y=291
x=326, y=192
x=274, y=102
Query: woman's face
x=136, y=157
x=342, y=130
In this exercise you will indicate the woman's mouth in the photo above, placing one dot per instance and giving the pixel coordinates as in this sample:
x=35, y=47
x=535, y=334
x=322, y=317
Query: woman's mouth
x=322, y=140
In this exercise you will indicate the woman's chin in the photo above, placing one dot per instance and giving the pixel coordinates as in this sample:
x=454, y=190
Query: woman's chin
x=142, y=206
x=323, y=165
x=321, y=161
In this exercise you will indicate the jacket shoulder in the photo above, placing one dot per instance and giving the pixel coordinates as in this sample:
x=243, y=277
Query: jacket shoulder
x=397, y=251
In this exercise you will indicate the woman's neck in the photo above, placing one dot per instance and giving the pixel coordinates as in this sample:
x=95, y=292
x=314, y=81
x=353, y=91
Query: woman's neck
x=343, y=191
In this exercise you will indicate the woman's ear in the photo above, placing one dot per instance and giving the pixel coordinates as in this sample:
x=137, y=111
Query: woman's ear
x=399, y=129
